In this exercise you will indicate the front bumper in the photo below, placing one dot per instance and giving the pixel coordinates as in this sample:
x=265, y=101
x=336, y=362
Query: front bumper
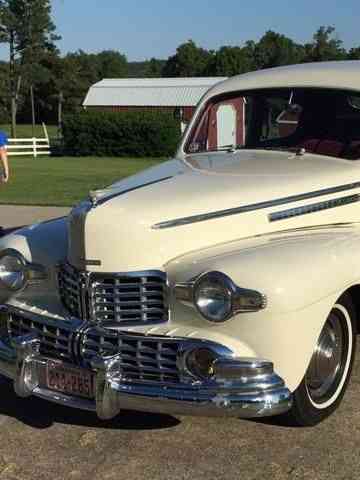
x=244, y=388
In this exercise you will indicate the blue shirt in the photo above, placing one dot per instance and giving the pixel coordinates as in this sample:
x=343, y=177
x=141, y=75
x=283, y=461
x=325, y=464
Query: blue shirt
x=3, y=139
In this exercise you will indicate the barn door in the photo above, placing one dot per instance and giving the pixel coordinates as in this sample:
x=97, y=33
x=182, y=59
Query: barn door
x=226, y=125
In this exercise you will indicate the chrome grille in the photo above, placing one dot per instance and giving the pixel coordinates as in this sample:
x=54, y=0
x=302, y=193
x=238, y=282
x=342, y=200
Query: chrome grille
x=55, y=341
x=70, y=289
x=143, y=359
x=129, y=298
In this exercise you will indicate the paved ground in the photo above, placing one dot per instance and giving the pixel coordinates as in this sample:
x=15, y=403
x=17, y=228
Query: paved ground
x=13, y=216
x=43, y=441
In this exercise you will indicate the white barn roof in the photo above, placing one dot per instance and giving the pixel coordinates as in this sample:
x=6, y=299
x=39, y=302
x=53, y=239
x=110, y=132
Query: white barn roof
x=149, y=92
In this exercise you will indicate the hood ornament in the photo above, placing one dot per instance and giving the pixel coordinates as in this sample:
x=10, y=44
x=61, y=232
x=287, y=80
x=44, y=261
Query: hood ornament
x=96, y=195
x=93, y=197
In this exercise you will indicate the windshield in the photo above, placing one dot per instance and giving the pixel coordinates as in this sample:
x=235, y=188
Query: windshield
x=321, y=121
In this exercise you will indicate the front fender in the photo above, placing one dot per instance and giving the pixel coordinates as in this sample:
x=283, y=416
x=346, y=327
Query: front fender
x=294, y=269
x=302, y=273
x=45, y=244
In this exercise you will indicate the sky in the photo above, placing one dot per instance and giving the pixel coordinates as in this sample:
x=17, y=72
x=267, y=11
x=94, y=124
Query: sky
x=142, y=29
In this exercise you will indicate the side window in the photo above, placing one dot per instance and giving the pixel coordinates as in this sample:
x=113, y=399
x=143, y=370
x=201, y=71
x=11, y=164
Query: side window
x=221, y=126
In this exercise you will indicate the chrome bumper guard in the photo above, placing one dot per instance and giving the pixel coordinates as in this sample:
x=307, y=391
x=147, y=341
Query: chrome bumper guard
x=244, y=388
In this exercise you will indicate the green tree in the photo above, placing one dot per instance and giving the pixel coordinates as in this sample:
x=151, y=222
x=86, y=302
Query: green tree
x=77, y=71
x=5, y=96
x=354, y=54
x=52, y=92
x=137, y=69
x=189, y=61
x=325, y=46
x=274, y=50
x=111, y=64
x=85, y=72
x=154, y=68
x=27, y=27
x=229, y=61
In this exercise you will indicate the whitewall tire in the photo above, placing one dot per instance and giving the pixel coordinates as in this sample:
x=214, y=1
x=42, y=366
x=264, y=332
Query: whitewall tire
x=330, y=368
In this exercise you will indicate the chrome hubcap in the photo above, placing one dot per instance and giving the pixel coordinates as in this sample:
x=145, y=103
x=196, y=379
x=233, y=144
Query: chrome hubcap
x=327, y=363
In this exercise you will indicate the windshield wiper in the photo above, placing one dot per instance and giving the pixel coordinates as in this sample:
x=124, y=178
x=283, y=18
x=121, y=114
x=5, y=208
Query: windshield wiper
x=296, y=150
x=224, y=148
x=234, y=148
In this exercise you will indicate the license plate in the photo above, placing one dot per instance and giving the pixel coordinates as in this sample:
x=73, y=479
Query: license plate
x=70, y=380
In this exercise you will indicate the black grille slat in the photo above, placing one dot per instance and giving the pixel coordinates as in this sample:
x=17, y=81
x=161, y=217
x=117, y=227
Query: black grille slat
x=128, y=303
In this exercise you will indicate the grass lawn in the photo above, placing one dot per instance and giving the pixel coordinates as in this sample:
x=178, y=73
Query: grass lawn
x=64, y=181
x=25, y=131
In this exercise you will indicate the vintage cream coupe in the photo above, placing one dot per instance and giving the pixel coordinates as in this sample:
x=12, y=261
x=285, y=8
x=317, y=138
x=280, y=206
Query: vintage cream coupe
x=223, y=282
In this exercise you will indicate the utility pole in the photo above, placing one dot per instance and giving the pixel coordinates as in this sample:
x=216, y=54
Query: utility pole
x=32, y=109
x=60, y=112
x=31, y=54
x=13, y=88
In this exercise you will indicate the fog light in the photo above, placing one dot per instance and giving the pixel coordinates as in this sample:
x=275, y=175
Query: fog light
x=200, y=363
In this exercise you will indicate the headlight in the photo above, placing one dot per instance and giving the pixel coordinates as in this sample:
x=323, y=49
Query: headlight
x=12, y=270
x=217, y=298
x=200, y=363
x=213, y=296
x=16, y=272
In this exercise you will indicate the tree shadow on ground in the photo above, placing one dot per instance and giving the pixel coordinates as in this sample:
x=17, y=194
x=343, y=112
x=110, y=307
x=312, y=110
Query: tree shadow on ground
x=7, y=231
x=284, y=421
x=41, y=414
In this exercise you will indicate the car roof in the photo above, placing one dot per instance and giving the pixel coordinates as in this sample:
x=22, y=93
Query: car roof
x=343, y=75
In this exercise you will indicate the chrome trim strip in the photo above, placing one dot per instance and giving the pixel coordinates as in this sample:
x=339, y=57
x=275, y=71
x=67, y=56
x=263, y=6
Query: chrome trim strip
x=105, y=199
x=313, y=208
x=256, y=206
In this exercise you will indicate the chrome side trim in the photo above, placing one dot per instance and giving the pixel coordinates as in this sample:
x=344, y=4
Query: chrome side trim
x=96, y=202
x=313, y=208
x=256, y=206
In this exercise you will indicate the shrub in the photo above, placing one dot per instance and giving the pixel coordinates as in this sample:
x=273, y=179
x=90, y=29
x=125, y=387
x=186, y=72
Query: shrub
x=120, y=134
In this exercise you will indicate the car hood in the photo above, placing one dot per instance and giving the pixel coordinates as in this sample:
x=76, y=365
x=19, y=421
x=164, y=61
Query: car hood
x=148, y=219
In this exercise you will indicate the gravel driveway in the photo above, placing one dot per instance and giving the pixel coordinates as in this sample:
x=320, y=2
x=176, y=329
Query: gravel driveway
x=12, y=216
x=44, y=441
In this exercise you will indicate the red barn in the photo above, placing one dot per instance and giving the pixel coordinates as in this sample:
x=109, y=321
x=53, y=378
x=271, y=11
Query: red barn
x=176, y=95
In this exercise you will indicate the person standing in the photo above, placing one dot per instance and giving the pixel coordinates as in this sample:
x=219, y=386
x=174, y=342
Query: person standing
x=4, y=157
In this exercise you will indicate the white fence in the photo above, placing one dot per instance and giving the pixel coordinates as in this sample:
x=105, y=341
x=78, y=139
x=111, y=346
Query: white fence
x=29, y=146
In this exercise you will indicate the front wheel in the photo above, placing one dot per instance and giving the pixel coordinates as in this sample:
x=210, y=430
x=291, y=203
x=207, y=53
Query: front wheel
x=327, y=377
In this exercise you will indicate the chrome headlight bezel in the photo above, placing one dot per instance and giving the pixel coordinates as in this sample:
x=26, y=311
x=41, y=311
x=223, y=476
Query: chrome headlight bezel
x=29, y=273
x=240, y=300
x=222, y=287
